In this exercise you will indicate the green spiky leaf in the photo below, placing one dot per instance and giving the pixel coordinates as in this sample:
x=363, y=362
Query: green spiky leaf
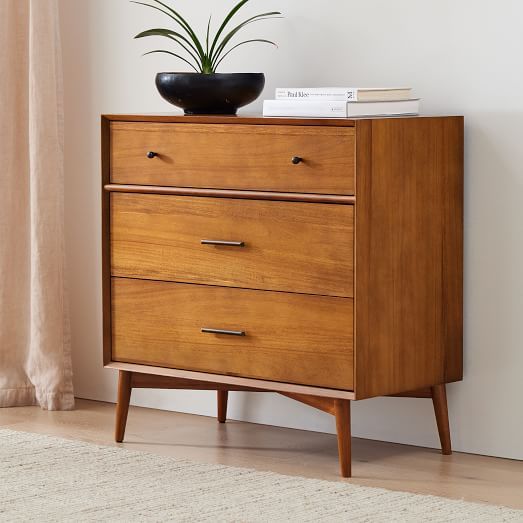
x=258, y=18
x=228, y=18
x=205, y=60
x=177, y=16
x=260, y=40
x=207, y=37
x=187, y=30
x=172, y=54
x=176, y=37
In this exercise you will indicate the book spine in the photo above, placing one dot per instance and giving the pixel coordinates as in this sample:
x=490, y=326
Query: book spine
x=312, y=93
x=305, y=108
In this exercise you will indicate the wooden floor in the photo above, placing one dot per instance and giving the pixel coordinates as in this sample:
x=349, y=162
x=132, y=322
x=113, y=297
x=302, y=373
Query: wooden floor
x=292, y=452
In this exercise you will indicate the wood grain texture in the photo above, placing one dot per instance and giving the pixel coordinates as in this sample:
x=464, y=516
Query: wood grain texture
x=408, y=258
x=234, y=157
x=234, y=381
x=157, y=323
x=408, y=282
x=439, y=399
x=229, y=120
x=243, y=195
x=343, y=431
x=294, y=247
x=122, y=404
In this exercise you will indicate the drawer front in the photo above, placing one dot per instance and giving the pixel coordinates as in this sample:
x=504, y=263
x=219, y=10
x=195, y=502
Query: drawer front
x=288, y=337
x=247, y=157
x=294, y=247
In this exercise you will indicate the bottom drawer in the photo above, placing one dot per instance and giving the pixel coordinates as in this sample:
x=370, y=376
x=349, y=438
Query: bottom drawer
x=293, y=338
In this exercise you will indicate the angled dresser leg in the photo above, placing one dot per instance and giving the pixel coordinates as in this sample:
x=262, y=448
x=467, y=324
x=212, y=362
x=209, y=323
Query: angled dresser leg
x=342, y=413
x=223, y=396
x=439, y=399
x=122, y=405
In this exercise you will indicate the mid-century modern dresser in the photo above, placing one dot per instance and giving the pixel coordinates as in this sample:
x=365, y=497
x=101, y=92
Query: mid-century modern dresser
x=320, y=259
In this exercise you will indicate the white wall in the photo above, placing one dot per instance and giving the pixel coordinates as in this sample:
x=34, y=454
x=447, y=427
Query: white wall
x=461, y=57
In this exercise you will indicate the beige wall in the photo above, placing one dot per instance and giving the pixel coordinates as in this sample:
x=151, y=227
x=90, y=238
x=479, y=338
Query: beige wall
x=461, y=57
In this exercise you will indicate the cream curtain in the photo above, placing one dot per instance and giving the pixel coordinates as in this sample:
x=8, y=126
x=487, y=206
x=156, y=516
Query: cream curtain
x=35, y=360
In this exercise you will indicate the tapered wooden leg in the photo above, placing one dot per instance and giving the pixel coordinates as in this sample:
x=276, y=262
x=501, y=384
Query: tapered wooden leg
x=223, y=396
x=342, y=413
x=439, y=399
x=122, y=405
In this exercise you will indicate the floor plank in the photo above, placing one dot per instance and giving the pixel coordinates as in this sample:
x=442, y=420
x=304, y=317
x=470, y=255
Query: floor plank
x=292, y=452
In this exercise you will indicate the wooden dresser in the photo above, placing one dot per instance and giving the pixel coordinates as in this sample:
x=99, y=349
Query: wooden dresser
x=320, y=259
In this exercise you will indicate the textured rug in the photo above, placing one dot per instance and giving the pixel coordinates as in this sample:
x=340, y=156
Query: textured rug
x=49, y=479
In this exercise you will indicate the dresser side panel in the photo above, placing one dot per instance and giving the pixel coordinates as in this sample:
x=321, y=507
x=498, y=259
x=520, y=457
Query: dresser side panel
x=409, y=226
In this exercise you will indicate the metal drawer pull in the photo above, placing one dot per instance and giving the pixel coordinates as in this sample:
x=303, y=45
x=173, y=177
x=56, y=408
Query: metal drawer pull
x=220, y=331
x=151, y=155
x=223, y=244
x=296, y=160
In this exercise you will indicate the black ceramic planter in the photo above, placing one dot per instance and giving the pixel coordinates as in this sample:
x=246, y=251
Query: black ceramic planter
x=217, y=93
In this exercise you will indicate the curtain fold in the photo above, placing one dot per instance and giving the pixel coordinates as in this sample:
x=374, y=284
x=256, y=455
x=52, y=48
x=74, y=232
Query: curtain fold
x=35, y=352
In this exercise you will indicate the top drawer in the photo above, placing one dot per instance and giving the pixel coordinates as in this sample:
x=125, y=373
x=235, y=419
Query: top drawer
x=243, y=157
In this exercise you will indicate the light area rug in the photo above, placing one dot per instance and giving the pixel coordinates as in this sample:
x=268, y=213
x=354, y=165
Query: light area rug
x=49, y=479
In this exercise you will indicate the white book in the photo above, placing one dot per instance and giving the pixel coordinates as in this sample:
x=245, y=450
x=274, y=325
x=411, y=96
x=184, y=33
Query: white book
x=348, y=94
x=338, y=109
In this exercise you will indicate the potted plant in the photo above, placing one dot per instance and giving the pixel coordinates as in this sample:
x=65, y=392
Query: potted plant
x=205, y=91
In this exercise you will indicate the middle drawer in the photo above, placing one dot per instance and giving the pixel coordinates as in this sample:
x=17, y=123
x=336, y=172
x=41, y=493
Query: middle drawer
x=284, y=246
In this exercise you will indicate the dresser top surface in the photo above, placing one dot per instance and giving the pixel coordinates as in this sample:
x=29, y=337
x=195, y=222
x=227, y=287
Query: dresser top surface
x=250, y=119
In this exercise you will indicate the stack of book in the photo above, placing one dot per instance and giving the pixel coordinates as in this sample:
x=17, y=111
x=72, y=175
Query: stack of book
x=341, y=102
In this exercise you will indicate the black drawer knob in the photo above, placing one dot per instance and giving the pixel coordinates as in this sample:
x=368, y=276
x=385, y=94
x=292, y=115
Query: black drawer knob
x=296, y=160
x=151, y=155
